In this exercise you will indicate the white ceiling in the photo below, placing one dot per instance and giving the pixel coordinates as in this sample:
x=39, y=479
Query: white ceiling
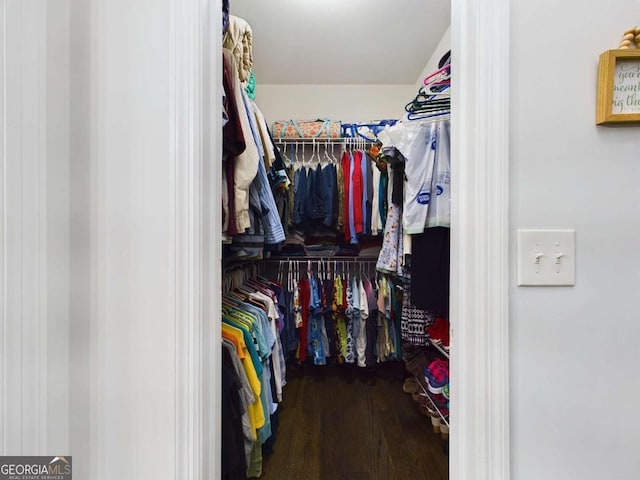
x=342, y=41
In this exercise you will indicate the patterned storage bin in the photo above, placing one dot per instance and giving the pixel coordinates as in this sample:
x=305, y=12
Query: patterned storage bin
x=298, y=129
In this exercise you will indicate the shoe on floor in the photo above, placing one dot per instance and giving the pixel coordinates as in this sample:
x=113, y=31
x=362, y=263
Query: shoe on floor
x=410, y=385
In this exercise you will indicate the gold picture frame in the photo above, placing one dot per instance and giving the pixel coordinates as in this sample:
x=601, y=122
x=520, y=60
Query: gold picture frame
x=618, y=100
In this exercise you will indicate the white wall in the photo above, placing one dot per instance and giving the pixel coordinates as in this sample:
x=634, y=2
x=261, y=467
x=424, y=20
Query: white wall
x=349, y=103
x=141, y=78
x=574, y=350
x=432, y=64
x=34, y=227
x=123, y=345
x=58, y=225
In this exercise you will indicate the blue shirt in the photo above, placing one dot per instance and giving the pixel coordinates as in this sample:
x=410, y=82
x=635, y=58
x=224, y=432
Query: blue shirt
x=365, y=191
x=273, y=230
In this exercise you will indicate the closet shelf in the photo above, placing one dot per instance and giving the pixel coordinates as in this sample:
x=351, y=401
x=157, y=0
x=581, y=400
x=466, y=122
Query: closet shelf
x=439, y=348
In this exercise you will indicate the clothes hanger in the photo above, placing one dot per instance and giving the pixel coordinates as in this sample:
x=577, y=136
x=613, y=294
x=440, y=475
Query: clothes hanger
x=312, y=160
x=437, y=116
x=280, y=272
x=445, y=69
x=327, y=158
x=421, y=102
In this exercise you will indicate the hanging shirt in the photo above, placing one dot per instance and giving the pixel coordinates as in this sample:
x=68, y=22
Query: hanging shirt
x=315, y=334
x=340, y=198
x=271, y=223
x=272, y=315
x=256, y=412
x=361, y=339
x=268, y=154
x=246, y=396
x=366, y=213
x=345, y=164
x=349, y=311
x=376, y=220
x=428, y=172
x=357, y=194
x=329, y=189
x=300, y=187
x=339, y=319
x=368, y=194
x=382, y=198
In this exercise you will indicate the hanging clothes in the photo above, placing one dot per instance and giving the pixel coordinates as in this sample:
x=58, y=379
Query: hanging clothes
x=238, y=39
x=342, y=315
x=255, y=370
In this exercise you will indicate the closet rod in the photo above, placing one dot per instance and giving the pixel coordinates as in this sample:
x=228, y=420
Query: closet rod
x=312, y=140
x=237, y=265
x=323, y=141
x=323, y=259
x=308, y=141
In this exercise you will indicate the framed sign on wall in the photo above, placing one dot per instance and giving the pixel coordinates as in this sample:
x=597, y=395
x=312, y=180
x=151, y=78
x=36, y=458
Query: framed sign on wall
x=618, y=99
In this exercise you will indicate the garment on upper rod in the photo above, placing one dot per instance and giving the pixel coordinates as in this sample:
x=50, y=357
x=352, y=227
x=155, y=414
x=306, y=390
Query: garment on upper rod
x=239, y=41
x=425, y=148
x=417, y=225
x=245, y=164
x=251, y=217
x=333, y=198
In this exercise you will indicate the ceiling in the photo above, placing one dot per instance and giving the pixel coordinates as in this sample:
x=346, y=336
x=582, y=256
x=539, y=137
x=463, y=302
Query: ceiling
x=342, y=41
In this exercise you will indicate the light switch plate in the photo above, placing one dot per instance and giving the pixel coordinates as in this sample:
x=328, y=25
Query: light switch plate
x=546, y=257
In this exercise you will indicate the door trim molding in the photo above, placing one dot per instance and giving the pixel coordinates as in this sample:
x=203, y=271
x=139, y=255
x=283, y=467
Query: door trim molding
x=196, y=80
x=23, y=228
x=480, y=241
x=186, y=67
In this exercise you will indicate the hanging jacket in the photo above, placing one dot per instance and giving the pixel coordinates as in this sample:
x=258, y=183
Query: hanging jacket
x=239, y=39
x=246, y=163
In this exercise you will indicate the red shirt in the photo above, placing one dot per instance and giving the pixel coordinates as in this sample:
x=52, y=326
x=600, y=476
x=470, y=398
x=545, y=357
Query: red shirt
x=346, y=174
x=358, y=188
x=305, y=299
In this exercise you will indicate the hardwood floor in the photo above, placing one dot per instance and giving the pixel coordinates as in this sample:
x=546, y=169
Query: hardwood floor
x=340, y=423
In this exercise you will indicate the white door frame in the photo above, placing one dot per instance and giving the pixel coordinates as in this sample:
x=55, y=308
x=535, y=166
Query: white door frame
x=27, y=316
x=480, y=241
x=480, y=257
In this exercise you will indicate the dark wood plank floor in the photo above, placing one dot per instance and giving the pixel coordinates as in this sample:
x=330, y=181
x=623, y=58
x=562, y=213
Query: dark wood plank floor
x=341, y=423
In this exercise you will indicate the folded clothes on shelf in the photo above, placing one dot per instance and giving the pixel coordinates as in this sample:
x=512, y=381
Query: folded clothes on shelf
x=437, y=375
x=438, y=332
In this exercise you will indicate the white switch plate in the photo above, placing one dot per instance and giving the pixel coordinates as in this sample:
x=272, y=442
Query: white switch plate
x=556, y=252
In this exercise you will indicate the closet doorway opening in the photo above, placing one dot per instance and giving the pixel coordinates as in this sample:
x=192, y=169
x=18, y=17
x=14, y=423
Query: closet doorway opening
x=292, y=97
x=361, y=265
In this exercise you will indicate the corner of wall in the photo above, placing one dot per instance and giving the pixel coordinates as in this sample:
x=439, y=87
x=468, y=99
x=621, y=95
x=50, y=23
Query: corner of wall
x=432, y=64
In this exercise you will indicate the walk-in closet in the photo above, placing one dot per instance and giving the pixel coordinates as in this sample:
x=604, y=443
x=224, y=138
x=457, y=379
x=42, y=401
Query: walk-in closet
x=336, y=212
